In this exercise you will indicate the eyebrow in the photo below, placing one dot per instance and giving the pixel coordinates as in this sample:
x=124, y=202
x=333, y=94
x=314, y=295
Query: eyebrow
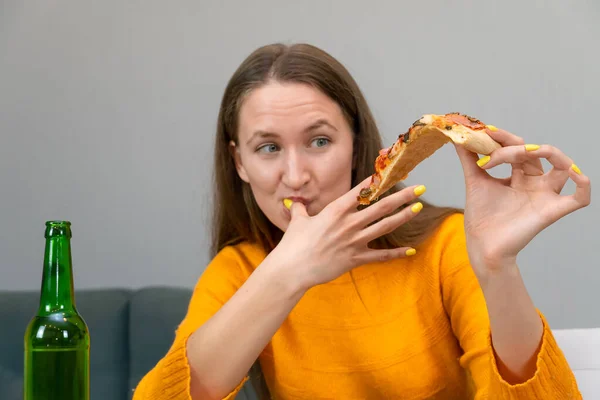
x=261, y=134
x=319, y=123
x=314, y=126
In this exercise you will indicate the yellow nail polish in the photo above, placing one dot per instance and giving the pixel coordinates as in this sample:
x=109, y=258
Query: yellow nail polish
x=492, y=128
x=483, y=160
x=576, y=169
x=411, y=252
x=287, y=203
x=419, y=190
x=417, y=207
x=531, y=147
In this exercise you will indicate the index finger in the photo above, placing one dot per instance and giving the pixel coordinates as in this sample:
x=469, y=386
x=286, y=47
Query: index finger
x=349, y=200
x=507, y=139
x=504, y=137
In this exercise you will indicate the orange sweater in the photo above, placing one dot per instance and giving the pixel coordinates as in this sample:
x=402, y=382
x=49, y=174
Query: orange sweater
x=421, y=331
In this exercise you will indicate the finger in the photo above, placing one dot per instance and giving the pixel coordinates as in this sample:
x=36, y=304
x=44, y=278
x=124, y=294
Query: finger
x=373, y=256
x=297, y=210
x=562, y=168
x=468, y=161
x=557, y=179
x=582, y=196
x=389, y=224
x=506, y=139
x=388, y=205
x=555, y=156
x=525, y=153
x=349, y=200
x=520, y=155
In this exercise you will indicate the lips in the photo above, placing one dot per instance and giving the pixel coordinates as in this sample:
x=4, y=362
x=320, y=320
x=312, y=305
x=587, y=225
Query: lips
x=297, y=199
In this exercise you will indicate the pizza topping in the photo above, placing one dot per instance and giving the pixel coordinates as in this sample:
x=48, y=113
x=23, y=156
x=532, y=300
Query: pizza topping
x=448, y=127
x=382, y=162
x=466, y=120
x=366, y=192
x=404, y=137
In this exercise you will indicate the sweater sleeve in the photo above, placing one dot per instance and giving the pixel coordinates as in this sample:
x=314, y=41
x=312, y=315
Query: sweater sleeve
x=170, y=377
x=465, y=304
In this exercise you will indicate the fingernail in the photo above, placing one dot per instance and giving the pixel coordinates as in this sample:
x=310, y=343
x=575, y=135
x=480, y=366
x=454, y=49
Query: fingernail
x=492, y=128
x=483, y=160
x=417, y=207
x=287, y=203
x=411, y=252
x=531, y=147
x=419, y=190
x=576, y=169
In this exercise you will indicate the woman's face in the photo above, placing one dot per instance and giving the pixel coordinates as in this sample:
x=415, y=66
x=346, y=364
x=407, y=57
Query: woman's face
x=293, y=142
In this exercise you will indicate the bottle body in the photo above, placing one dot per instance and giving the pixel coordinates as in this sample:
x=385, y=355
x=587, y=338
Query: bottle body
x=57, y=341
x=57, y=358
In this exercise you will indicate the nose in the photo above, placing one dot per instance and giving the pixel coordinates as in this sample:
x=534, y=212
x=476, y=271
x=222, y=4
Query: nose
x=295, y=171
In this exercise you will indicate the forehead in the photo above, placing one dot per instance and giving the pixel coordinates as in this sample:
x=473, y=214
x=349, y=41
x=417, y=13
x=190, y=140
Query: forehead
x=279, y=106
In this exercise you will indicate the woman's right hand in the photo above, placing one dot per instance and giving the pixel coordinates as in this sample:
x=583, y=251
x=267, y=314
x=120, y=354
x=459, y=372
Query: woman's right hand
x=323, y=247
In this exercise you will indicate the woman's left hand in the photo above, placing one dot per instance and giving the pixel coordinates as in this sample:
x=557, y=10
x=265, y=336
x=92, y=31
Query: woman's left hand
x=503, y=215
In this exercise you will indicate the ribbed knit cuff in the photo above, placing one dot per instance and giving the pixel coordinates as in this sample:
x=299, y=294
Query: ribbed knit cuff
x=176, y=375
x=170, y=379
x=553, y=378
x=176, y=379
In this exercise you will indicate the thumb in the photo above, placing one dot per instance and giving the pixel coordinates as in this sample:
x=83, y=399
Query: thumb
x=468, y=160
x=296, y=208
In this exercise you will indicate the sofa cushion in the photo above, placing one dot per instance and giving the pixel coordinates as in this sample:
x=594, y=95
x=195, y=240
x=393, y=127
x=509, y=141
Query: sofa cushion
x=581, y=348
x=11, y=385
x=16, y=311
x=106, y=313
x=155, y=314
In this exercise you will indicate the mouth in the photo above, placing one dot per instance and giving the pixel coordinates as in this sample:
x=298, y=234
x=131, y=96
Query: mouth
x=302, y=200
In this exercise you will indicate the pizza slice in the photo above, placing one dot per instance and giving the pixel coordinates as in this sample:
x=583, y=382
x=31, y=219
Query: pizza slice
x=422, y=139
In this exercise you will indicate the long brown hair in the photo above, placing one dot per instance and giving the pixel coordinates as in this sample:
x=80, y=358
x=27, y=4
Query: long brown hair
x=300, y=63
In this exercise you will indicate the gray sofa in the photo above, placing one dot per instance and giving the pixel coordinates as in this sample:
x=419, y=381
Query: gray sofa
x=130, y=331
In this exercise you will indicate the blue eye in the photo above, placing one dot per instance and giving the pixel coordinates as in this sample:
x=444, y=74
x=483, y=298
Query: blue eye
x=321, y=142
x=268, y=148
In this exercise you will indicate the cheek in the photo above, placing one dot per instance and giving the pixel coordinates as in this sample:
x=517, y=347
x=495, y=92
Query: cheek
x=336, y=174
x=262, y=176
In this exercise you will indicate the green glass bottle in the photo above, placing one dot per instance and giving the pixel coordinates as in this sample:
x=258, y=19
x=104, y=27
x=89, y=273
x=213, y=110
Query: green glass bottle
x=57, y=341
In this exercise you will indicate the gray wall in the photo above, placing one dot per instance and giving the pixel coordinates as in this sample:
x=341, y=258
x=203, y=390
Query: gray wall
x=108, y=109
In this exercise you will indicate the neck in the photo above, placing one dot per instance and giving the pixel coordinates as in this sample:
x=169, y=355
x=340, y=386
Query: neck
x=57, y=294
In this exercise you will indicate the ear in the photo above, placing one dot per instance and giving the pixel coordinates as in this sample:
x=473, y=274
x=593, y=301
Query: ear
x=237, y=159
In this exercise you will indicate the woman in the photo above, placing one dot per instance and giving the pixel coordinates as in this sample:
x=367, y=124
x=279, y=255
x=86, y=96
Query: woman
x=397, y=300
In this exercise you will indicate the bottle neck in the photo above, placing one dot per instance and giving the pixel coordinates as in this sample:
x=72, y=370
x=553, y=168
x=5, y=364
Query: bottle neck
x=57, y=294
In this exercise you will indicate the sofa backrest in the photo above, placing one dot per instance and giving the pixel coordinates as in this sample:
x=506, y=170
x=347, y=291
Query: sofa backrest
x=130, y=330
x=154, y=314
x=581, y=348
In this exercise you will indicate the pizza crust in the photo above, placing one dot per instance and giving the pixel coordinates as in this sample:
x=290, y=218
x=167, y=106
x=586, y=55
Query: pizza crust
x=425, y=137
x=477, y=141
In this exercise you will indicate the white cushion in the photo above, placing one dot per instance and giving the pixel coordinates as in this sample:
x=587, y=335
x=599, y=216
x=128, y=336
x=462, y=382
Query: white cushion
x=582, y=350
